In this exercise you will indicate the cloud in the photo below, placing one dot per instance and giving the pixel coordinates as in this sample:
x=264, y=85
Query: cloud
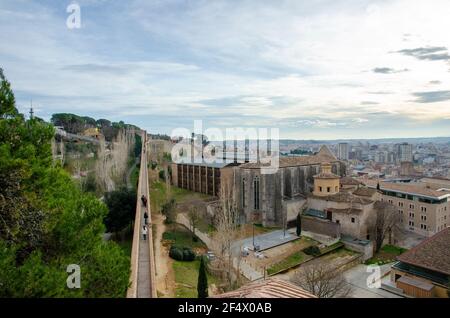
x=432, y=97
x=369, y=103
x=388, y=70
x=432, y=53
x=165, y=63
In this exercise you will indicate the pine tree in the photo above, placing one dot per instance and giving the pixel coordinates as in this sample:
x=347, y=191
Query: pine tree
x=299, y=225
x=202, y=284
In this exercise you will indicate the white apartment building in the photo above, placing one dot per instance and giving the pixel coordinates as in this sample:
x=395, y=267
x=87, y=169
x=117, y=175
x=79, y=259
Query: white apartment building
x=343, y=151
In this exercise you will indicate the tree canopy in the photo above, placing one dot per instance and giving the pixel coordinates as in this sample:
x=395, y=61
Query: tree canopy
x=122, y=209
x=46, y=221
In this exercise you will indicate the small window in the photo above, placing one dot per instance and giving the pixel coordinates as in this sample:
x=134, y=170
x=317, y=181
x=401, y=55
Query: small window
x=337, y=221
x=353, y=220
x=320, y=189
x=328, y=189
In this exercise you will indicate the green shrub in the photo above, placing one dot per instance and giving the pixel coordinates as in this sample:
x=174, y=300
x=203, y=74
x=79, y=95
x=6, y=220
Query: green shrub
x=182, y=254
x=188, y=254
x=312, y=250
x=176, y=253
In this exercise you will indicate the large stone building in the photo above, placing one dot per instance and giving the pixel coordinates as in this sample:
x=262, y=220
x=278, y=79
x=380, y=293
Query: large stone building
x=269, y=199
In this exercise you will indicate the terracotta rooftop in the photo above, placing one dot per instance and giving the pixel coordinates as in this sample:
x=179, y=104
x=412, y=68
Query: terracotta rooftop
x=326, y=175
x=344, y=197
x=347, y=211
x=432, y=254
x=407, y=188
x=269, y=288
x=349, y=181
x=365, y=192
x=412, y=189
x=323, y=156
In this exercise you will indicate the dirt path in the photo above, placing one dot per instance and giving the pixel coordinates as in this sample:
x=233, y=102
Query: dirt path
x=165, y=277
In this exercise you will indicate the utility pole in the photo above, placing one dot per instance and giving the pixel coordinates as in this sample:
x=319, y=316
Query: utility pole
x=31, y=110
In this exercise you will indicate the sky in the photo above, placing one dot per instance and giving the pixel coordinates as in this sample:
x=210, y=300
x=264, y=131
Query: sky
x=323, y=69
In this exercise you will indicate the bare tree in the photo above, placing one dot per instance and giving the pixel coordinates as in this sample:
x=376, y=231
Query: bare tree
x=323, y=280
x=194, y=217
x=387, y=219
x=226, y=220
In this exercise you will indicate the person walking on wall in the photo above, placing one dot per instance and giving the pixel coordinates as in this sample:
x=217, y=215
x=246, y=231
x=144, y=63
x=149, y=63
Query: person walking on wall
x=144, y=232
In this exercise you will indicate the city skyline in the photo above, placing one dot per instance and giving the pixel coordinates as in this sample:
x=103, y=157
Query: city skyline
x=324, y=70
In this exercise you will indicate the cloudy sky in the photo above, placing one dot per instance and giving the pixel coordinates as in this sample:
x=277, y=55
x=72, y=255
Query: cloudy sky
x=323, y=69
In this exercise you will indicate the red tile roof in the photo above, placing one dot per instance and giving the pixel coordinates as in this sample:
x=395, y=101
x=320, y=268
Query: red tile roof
x=269, y=288
x=433, y=253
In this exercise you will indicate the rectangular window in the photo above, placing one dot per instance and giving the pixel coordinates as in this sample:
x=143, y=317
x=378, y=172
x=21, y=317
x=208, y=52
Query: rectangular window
x=328, y=189
x=353, y=220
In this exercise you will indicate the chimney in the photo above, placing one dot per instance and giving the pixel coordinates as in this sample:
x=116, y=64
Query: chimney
x=247, y=151
x=235, y=151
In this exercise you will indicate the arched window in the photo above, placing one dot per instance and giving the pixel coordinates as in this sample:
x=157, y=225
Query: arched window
x=256, y=193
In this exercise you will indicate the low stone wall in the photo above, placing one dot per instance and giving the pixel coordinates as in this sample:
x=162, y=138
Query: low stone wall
x=316, y=225
x=365, y=250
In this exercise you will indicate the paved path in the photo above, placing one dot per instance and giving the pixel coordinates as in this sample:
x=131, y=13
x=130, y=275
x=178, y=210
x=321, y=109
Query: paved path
x=143, y=282
x=357, y=277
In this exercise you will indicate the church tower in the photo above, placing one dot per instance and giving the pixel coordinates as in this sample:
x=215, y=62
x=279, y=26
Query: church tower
x=326, y=183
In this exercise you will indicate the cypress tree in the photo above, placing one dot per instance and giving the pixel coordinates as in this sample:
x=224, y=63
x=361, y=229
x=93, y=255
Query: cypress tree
x=299, y=225
x=202, y=284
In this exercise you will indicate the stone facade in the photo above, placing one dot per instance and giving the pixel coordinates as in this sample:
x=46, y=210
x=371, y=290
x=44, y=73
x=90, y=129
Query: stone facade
x=269, y=199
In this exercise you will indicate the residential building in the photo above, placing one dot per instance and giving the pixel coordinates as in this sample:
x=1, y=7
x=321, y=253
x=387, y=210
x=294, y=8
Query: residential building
x=404, y=152
x=343, y=151
x=423, y=210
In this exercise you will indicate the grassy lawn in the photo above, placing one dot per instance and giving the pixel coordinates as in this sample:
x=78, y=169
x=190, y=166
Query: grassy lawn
x=204, y=226
x=246, y=230
x=341, y=252
x=186, y=273
x=181, y=237
x=186, y=276
x=386, y=254
x=292, y=260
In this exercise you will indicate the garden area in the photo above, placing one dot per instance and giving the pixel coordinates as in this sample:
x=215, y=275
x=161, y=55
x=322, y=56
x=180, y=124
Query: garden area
x=185, y=252
x=302, y=255
x=387, y=254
